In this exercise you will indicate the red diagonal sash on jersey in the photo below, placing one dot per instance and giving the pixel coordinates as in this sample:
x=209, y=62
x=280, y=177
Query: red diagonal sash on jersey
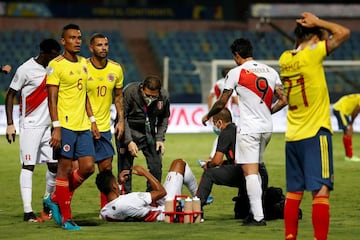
x=217, y=91
x=257, y=85
x=36, y=98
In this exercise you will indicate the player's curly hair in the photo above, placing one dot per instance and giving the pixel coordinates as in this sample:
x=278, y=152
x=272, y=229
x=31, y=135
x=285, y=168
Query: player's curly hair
x=104, y=180
x=48, y=45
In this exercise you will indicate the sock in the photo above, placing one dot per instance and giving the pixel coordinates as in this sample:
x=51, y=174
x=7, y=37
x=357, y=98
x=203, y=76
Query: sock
x=103, y=200
x=291, y=214
x=50, y=183
x=347, y=141
x=26, y=189
x=63, y=198
x=321, y=217
x=190, y=180
x=254, y=191
x=75, y=180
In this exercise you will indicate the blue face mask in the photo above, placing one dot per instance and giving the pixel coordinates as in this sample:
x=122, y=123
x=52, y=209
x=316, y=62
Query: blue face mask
x=216, y=130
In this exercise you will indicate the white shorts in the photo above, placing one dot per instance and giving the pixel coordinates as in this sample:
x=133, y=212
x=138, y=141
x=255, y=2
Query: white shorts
x=250, y=147
x=173, y=184
x=35, y=147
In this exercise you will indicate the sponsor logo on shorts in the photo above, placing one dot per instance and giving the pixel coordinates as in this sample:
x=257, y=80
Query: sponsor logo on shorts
x=66, y=148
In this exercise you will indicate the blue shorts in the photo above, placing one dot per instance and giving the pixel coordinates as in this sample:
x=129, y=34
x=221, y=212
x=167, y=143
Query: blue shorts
x=309, y=163
x=343, y=120
x=75, y=144
x=103, y=147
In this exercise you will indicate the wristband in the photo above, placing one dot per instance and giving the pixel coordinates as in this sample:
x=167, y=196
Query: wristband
x=56, y=124
x=92, y=119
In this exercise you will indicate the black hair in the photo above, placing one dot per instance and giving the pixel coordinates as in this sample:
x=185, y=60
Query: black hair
x=70, y=26
x=96, y=35
x=242, y=47
x=224, y=71
x=48, y=45
x=224, y=114
x=304, y=33
x=104, y=181
x=152, y=82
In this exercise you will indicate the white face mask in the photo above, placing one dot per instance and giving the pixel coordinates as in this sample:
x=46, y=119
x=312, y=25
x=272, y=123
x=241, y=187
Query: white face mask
x=149, y=100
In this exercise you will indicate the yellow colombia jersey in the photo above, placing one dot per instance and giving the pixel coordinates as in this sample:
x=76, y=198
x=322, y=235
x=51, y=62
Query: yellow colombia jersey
x=101, y=83
x=303, y=77
x=347, y=104
x=71, y=77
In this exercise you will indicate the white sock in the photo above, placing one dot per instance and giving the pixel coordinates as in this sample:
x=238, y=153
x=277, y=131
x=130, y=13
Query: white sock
x=26, y=189
x=254, y=191
x=50, y=183
x=190, y=180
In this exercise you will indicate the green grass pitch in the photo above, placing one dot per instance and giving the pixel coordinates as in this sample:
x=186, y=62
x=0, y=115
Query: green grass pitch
x=220, y=222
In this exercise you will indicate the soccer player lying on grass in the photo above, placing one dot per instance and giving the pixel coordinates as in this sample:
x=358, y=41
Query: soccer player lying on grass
x=143, y=206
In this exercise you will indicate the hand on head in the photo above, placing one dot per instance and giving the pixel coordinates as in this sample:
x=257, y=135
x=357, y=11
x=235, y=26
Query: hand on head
x=307, y=20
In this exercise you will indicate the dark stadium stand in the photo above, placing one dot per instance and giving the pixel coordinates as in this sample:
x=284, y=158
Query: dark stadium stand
x=19, y=45
x=183, y=48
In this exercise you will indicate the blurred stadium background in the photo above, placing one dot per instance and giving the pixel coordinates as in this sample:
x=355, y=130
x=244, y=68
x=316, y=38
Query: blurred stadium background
x=190, y=33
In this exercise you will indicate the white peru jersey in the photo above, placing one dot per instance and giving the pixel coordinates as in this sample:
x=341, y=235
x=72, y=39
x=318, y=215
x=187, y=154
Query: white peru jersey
x=254, y=83
x=30, y=80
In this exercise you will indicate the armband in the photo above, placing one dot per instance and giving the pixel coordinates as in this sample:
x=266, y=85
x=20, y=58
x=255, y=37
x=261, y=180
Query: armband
x=56, y=124
x=92, y=119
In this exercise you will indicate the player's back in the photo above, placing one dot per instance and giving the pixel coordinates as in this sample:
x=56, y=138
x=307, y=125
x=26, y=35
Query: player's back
x=254, y=83
x=303, y=77
x=347, y=103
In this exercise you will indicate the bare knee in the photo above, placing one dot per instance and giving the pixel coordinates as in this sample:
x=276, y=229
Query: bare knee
x=86, y=166
x=178, y=165
x=106, y=164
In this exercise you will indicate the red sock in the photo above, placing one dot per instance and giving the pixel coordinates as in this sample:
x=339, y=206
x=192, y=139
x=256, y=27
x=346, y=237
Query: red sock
x=75, y=180
x=321, y=217
x=63, y=198
x=103, y=200
x=347, y=140
x=291, y=214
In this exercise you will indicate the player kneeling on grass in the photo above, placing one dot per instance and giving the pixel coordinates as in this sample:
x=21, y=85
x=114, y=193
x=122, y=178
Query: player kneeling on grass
x=143, y=206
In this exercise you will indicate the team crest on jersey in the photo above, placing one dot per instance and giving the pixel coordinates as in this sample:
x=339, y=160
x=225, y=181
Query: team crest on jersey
x=27, y=157
x=111, y=77
x=66, y=147
x=160, y=105
x=85, y=69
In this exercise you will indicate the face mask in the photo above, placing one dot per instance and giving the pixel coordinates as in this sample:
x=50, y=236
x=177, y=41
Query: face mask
x=148, y=100
x=216, y=130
